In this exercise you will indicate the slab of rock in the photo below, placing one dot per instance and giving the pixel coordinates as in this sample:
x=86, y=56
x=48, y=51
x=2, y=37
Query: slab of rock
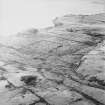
x=60, y=65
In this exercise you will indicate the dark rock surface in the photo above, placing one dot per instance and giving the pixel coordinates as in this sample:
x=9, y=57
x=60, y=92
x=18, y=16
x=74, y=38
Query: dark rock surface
x=61, y=65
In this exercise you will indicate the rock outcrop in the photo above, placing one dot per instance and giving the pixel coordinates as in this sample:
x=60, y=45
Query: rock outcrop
x=60, y=65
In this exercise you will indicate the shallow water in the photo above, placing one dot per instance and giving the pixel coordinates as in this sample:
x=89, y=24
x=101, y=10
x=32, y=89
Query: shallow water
x=18, y=15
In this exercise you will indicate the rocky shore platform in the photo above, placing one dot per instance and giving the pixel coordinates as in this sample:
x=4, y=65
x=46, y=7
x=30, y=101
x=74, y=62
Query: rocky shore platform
x=59, y=65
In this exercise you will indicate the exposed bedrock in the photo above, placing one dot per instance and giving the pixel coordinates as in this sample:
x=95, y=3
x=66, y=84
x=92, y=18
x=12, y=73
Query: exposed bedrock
x=60, y=65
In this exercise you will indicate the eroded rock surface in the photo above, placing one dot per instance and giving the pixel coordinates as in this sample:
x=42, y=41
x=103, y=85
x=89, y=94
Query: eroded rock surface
x=60, y=65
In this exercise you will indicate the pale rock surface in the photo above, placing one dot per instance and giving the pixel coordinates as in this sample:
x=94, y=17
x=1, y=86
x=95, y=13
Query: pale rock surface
x=60, y=65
